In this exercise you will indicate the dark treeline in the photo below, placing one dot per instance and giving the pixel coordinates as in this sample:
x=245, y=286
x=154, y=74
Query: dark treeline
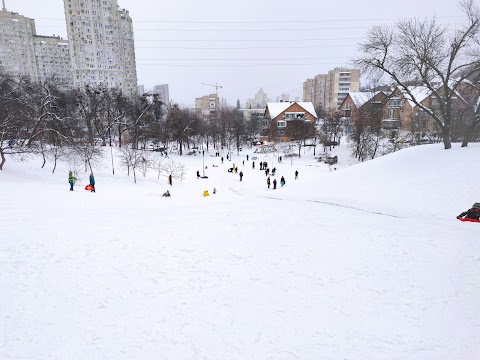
x=40, y=118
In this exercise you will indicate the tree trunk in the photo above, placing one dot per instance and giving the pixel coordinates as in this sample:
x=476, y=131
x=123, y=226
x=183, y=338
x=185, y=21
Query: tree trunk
x=468, y=133
x=3, y=159
x=44, y=160
x=54, y=165
x=446, y=138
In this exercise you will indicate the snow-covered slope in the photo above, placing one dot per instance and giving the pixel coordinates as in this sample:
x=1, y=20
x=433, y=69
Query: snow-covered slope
x=362, y=263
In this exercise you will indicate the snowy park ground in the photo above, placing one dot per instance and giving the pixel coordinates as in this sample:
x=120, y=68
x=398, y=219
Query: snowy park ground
x=365, y=262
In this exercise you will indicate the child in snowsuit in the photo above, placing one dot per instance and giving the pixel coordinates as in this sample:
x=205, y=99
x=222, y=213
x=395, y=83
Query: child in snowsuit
x=473, y=213
x=241, y=175
x=71, y=180
x=282, y=181
x=92, y=182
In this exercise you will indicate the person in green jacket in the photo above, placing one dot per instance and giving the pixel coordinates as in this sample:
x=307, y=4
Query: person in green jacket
x=71, y=180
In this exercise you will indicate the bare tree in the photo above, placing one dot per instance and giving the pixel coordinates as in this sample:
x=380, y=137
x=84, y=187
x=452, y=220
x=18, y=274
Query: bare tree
x=132, y=159
x=87, y=152
x=175, y=169
x=428, y=53
x=180, y=124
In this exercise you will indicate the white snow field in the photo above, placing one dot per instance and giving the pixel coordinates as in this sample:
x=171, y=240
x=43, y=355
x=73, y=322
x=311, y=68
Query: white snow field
x=366, y=262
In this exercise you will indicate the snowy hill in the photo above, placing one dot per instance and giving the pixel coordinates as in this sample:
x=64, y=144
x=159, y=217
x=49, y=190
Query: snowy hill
x=361, y=263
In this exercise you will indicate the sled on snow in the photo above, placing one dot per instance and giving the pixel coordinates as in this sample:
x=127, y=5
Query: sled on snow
x=468, y=220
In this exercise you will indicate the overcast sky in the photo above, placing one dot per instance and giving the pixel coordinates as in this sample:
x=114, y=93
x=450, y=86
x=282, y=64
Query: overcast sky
x=247, y=45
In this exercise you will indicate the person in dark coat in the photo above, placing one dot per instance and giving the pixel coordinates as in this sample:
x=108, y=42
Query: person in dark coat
x=198, y=174
x=247, y=157
x=473, y=213
x=296, y=174
x=268, y=182
x=282, y=181
x=274, y=184
x=241, y=175
x=253, y=164
x=222, y=159
x=166, y=194
x=92, y=182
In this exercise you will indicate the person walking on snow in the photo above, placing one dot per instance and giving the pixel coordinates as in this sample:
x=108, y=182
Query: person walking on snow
x=296, y=174
x=71, y=180
x=247, y=157
x=253, y=165
x=268, y=182
x=282, y=181
x=198, y=174
x=92, y=182
x=241, y=175
x=222, y=159
x=274, y=184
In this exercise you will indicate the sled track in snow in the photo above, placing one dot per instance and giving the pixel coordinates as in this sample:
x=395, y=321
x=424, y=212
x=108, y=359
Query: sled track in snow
x=354, y=208
x=234, y=191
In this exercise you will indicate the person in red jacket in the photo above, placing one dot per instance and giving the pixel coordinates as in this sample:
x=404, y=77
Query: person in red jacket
x=473, y=213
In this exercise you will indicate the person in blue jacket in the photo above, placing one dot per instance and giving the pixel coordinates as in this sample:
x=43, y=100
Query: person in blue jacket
x=92, y=182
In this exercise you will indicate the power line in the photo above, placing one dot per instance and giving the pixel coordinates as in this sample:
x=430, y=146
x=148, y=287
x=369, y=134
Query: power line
x=279, y=21
x=246, y=40
x=252, y=30
x=241, y=59
x=237, y=65
x=243, y=48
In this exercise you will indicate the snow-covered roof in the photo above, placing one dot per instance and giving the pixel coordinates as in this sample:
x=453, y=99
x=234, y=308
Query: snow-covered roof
x=420, y=93
x=360, y=98
x=276, y=109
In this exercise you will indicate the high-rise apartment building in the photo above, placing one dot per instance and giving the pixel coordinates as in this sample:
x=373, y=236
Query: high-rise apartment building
x=102, y=47
x=24, y=53
x=17, y=54
x=207, y=107
x=259, y=102
x=162, y=92
x=52, y=58
x=329, y=90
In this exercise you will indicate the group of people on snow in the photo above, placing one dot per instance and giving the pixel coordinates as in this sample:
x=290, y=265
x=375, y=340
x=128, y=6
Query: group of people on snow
x=72, y=180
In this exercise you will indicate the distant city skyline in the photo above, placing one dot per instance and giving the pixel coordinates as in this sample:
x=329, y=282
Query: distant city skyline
x=185, y=45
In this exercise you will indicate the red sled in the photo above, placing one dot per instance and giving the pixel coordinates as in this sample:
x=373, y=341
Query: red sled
x=89, y=187
x=469, y=220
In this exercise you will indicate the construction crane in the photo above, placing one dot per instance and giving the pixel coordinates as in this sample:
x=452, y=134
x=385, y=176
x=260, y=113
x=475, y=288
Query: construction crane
x=216, y=86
